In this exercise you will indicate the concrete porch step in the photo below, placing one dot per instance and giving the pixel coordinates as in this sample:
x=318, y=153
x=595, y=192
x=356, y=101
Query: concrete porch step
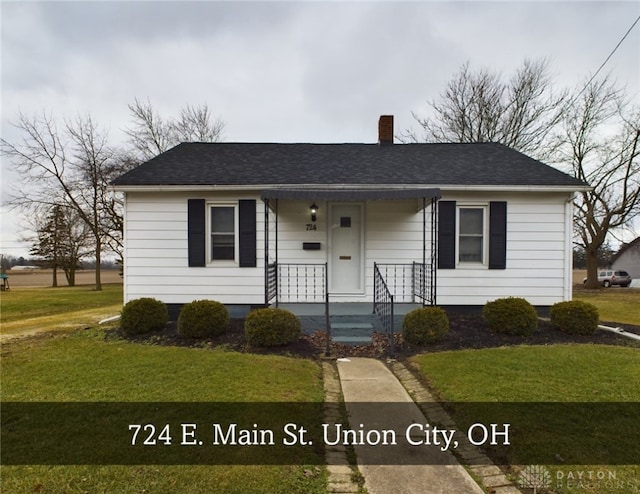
x=352, y=340
x=352, y=325
x=351, y=333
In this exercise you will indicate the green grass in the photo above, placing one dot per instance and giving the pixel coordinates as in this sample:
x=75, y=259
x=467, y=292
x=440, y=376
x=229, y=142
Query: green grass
x=557, y=373
x=47, y=309
x=162, y=479
x=579, y=373
x=81, y=366
x=621, y=305
x=26, y=303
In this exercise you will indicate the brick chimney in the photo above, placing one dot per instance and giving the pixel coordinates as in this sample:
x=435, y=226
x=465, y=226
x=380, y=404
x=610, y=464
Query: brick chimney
x=385, y=130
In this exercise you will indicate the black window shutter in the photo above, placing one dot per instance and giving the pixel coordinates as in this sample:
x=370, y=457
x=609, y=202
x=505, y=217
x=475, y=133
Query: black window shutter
x=247, y=238
x=446, y=235
x=196, y=227
x=498, y=235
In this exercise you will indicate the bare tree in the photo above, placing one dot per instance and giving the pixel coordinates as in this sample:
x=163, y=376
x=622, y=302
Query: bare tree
x=197, y=124
x=600, y=141
x=70, y=163
x=151, y=134
x=63, y=239
x=480, y=107
x=91, y=165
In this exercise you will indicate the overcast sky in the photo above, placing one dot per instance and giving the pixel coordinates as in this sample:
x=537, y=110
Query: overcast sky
x=287, y=71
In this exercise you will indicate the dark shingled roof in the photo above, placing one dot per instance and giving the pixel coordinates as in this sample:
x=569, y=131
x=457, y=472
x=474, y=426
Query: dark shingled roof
x=476, y=164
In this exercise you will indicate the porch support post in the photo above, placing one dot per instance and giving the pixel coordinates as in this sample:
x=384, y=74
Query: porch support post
x=393, y=334
x=434, y=250
x=276, y=259
x=423, y=281
x=327, y=317
x=266, y=252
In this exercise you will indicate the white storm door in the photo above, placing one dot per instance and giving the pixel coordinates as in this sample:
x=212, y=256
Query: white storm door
x=345, y=244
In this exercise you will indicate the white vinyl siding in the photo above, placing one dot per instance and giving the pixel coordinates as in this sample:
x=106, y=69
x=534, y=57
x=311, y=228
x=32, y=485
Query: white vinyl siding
x=156, y=255
x=538, y=248
x=538, y=253
x=393, y=235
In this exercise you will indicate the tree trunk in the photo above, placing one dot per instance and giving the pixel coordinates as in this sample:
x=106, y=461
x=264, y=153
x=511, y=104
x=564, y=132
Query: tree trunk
x=592, y=268
x=54, y=281
x=71, y=276
x=98, y=262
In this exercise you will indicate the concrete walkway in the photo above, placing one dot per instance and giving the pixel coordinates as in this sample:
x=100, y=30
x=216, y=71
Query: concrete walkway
x=366, y=380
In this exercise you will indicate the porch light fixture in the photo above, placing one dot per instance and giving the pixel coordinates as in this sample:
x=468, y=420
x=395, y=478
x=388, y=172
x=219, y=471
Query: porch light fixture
x=313, y=209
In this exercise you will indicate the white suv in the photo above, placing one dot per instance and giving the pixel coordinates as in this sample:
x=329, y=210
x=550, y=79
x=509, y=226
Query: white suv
x=610, y=277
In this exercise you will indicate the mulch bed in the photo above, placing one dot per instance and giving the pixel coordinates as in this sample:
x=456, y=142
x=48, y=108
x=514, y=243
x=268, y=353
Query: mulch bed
x=466, y=332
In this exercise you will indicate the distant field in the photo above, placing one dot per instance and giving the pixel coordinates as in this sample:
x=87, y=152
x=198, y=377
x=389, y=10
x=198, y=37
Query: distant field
x=43, y=277
x=578, y=276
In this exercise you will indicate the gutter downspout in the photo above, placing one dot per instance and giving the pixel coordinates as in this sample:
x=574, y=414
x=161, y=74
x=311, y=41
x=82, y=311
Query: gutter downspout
x=568, y=235
x=617, y=330
x=620, y=331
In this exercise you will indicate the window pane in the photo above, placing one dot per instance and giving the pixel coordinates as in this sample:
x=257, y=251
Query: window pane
x=222, y=247
x=222, y=220
x=471, y=235
x=471, y=221
x=223, y=236
x=470, y=249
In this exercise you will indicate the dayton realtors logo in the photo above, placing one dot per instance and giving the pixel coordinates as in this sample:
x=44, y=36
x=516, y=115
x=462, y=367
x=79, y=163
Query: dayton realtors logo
x=535, y=477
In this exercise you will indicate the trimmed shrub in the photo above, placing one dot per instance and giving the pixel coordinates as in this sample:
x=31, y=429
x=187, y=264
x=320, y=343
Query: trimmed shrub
x=425, y=325
x=511, y=315
x=203, y=318
x=143, y=315
x=271, y=327
x=575, y=317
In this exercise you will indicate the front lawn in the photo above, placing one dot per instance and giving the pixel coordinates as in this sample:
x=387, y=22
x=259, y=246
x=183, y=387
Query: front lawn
x=621, y=305
x=44, y=309
x=538, y=376
x=82, y=367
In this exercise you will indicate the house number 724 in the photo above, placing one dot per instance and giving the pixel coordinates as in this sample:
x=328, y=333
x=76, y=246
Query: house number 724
x=311, y=227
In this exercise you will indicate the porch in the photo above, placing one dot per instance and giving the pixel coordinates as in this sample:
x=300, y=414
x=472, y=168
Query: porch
x=368, y=256
x=351, y=323
x=304, y=290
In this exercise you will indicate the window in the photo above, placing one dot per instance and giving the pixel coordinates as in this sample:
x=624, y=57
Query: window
x=223, y=232
x=471, y=235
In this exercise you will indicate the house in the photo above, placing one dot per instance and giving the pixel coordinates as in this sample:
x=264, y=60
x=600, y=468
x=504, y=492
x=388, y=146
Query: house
x=628, y=259
x=254, y=224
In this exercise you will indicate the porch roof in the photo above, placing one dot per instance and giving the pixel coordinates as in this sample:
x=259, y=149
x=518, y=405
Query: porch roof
x=352, y=194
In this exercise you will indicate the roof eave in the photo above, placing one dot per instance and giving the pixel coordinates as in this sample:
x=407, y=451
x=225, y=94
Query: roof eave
x=515, y=188
x=258, y=187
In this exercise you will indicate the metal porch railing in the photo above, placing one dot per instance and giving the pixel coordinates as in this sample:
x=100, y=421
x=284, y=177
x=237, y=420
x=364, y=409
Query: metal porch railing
x=309, y=283
x=271, y=283
x=392, y=283
x=302, y=283
x=409, y=283
x=383, y=305
x=299, y=283
x=400, y=283
x=423, y=283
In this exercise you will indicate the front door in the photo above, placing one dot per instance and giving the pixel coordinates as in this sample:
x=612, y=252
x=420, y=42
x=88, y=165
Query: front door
x=345, y=244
